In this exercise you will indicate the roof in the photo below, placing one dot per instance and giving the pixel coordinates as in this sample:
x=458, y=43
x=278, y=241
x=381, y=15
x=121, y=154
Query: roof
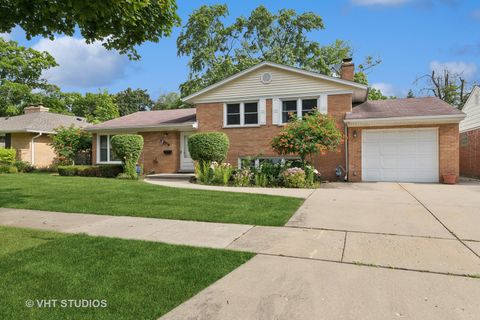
x=408, y=107
x=45, y=122
x=149, y=120
x=280, y=66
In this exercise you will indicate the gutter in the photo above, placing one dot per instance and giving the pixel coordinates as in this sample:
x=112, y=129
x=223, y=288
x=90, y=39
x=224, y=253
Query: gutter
x=32, y=149
x=188, y=125
x=405, y=120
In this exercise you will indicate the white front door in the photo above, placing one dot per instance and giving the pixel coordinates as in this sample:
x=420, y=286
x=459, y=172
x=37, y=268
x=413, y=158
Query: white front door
x=409, y=155
x=186, y=162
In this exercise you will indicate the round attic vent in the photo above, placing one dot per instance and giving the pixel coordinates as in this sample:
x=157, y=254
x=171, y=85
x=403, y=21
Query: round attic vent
x=266, y=77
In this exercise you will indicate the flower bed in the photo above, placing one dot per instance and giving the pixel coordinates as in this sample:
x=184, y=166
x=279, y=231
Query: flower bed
x=289, y=174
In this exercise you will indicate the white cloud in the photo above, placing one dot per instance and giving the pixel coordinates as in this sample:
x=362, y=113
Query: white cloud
x=81, y=64
x=5, y=36
x=386, y=88
x=379, y=2
x=466, y=70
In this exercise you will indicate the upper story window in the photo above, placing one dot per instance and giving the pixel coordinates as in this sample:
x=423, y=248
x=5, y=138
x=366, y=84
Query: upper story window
x=298, y=107
x=105, y=153
x=289, y=109
x=308, y=106
x=241, y=114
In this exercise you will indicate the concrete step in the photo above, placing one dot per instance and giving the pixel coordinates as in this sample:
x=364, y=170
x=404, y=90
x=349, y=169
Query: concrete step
x=171, y=176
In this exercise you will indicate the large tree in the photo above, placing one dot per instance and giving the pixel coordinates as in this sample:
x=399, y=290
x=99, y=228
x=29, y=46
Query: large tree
x=446, y=85
x=96, y=107
x=120, y=25
x=169, y=100
x=130, y=101
x=218, y=50
x=20, y=72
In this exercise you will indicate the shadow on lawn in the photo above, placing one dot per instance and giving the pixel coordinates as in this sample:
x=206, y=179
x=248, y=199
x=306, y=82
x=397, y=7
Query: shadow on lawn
x=11, y=197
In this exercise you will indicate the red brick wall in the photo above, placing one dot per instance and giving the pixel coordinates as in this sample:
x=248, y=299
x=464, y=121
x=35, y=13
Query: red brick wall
x=448, y=149
x=153, y=158
x=256, y=141
x=470, y=153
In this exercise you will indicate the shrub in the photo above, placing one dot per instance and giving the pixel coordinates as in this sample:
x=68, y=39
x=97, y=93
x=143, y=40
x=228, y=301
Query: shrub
x=12, y=170
x=315, y=133
x=208, y=146
x=294, y=178
x=261, y=179
x=8, y=169
x=104, y=171
x=68, y=142
x=242, y=177
x=23, y=166
x=128, y=147
x=7, y=156
x=203, y=172
x=67, y=171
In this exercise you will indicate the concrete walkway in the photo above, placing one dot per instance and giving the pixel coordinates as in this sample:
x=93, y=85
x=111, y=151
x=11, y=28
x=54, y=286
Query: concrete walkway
x=184, y=184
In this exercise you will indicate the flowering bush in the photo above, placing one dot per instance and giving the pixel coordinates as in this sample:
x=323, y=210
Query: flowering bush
x=294, y=178
x=242, y=177
x=68, y=141
x=313, y=134
x=311, y=175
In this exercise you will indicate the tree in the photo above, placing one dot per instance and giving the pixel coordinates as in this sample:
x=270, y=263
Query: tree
x=119, y=25
x=169, y=101
x=217, y=50
x=130, y=101
x=376, y=94
x=68, y=142
x=96, y=107
x=312, y=134
x=410, y=94
x=448, y=86
x=21, y=71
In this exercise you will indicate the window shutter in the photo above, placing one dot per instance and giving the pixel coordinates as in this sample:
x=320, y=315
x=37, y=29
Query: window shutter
x=323, y=104
x=276, y=110
x=262, y=111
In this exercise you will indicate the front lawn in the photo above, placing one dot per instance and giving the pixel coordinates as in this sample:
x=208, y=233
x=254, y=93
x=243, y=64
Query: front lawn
x=136, y=198
x=136, y=279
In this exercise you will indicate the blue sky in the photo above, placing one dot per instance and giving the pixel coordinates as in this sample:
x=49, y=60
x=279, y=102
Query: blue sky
x=410, y=36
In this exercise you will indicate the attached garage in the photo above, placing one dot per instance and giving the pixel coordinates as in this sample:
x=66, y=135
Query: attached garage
x=403, y=140
x=407, y=155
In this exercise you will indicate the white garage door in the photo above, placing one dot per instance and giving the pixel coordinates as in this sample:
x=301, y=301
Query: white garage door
x=400, y=155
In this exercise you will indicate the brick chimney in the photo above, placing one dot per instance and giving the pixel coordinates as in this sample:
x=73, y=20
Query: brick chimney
x=347, y=69
x=35, y=109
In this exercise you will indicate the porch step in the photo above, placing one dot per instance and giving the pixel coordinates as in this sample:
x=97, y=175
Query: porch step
x=171, y=176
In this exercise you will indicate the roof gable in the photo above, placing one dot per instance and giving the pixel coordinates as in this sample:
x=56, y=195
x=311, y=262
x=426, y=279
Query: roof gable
x=285, y=80
x=472, y=109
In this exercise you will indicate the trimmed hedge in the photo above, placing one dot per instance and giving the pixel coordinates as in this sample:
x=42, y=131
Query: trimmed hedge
x=208, y=146
x=7, y=156
x=103, y=171
x=128, y=147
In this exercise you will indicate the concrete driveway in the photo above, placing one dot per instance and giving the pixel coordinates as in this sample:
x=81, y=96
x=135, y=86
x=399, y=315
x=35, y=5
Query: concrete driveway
x=358, y=251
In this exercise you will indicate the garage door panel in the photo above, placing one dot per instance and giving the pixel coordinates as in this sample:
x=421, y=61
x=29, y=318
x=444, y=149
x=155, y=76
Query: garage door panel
x=400, y=155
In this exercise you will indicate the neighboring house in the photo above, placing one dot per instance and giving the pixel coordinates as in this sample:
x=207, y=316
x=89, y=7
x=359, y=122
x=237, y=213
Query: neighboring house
x=391, y=140
x=29, y=133
x=470, y=136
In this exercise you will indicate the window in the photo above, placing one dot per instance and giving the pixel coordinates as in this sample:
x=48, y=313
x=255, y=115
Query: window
x=3, y=140
x=105, y=152
x=251, y=113
x=289, y=109
x=241, y=114
x=233, y=114
x=308, y=106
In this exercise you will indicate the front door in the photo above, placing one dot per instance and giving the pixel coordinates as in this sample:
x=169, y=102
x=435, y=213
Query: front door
x=186, y=162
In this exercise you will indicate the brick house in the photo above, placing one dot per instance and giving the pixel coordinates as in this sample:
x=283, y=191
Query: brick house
x=390, y=140
x=470, y=136
x=29, y=133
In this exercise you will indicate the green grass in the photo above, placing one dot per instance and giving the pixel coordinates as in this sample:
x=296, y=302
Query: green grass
x=138, y=279
x=137, y=198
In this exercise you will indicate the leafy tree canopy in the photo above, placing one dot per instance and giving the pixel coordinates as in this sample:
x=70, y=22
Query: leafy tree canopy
x=218, y=50
x=169, y=100
x=96, y=107
x=130, y=101
x=120, y=25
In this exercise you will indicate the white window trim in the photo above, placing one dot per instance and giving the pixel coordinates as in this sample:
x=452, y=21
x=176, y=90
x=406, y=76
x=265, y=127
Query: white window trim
x=3, y=144
x=299, y=105
x=108, y=150
x=242, y=115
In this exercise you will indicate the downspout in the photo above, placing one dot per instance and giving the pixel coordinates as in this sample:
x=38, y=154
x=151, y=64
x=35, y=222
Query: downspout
x=347, y=169
x=33, y=148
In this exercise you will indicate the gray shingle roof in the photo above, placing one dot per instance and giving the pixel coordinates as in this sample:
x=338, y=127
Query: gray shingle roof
x=39, y=122
x=409, y=107
x=148, y=119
